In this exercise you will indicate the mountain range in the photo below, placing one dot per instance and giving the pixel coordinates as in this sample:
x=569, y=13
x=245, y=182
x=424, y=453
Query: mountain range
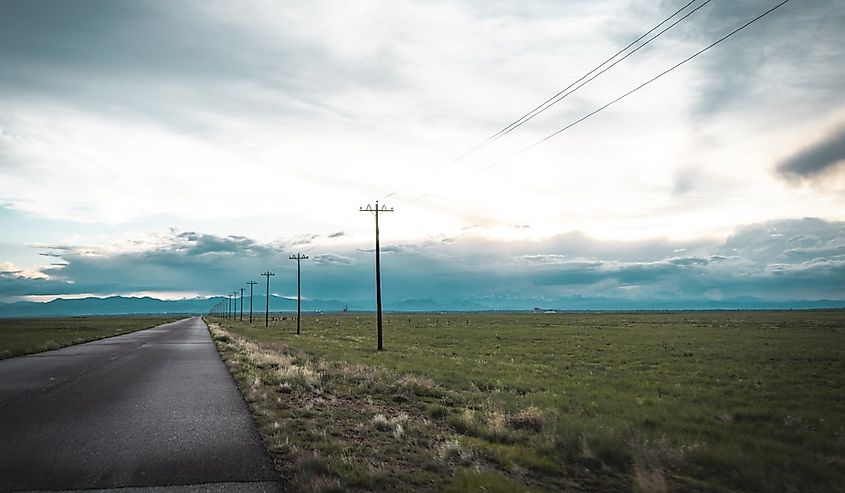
x=121, y=305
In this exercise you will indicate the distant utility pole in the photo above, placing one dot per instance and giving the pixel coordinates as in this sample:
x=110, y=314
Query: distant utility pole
x=298, y=257
x=242, y=304
x=377, y=210
x=234, y=304
x=251, y=284
x=228, y=305
x=267, y=298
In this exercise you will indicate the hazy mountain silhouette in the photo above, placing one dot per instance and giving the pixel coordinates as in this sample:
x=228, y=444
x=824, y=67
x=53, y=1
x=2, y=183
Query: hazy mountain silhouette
x=120, y=305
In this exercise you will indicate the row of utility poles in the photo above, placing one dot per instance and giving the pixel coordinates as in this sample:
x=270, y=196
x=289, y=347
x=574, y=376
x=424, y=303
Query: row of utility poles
x=228, y=308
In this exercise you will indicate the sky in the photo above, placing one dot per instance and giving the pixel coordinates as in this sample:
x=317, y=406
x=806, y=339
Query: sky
x=179, y=148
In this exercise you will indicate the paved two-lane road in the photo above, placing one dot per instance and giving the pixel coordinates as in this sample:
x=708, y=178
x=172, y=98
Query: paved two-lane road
x=154, y=408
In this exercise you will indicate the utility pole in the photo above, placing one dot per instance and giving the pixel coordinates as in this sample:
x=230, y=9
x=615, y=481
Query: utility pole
x=234, y=304
x=228, y=304
x=377, y=210
x=242, y=304
x=267, y=298
x=251, y=284
x=298, y=257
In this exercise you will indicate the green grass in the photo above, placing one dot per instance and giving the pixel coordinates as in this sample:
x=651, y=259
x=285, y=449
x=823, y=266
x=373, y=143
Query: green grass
x=32, y=335
x=712, y=401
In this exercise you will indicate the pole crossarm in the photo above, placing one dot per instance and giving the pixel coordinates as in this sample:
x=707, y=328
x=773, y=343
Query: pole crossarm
x=369, y=208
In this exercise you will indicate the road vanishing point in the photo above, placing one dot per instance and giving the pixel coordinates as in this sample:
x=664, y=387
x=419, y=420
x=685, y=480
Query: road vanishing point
x=153, y=410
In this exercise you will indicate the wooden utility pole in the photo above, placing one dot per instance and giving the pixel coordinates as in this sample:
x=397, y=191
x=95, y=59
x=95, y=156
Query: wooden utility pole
x=242, y=304
x=251, y=284
x=377, y=210
x=298, y=257
x=267, y=298
x=228, y=304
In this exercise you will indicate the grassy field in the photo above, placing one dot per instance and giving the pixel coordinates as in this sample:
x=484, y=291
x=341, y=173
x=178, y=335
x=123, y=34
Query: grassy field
x=713, y=401
x=32, y=335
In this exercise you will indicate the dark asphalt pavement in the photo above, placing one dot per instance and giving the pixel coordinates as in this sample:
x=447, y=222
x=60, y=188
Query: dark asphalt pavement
x=152, y=408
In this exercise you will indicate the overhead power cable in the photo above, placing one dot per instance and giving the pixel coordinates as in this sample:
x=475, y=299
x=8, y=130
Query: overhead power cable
x=586, y=78
x=644, y=84
x=566, y=91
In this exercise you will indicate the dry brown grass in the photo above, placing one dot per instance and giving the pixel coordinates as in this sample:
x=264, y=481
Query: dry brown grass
x=335, y=426
x=325, y=433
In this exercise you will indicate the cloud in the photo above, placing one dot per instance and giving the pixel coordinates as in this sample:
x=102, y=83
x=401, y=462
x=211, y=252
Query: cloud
x=134, y=55
x=260, y=120
x=141, y=110
x=774, y=260
x=202, y=244
x=542, y=259
x=8, y=270
x=815, y=159
x=331, y=259
x=303, y=240
x=790, y=241
x=770, y=58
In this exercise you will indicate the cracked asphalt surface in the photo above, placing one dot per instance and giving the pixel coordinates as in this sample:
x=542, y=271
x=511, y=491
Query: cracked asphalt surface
x=154, y=409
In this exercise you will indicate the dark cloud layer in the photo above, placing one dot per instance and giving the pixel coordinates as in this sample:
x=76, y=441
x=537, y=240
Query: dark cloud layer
x=777, y=260
x=816, y=159
x=798, y=44
x=170, y=62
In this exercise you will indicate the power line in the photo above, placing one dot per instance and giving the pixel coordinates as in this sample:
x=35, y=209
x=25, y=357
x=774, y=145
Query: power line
x=585, y=82
x=267, y=299
x=377, y=210
x=298, y=257
x=566, y=91
x=644, y=84
x=242, y=304
x=581, y=82
x=251, y=284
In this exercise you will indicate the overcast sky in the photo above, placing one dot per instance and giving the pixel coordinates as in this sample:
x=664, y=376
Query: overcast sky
x=179, y=148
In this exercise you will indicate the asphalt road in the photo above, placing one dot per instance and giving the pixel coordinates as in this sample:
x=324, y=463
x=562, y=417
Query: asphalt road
x=154, y=408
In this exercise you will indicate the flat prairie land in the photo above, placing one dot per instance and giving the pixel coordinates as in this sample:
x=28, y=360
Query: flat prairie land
x=19, y=336
x=688, y=401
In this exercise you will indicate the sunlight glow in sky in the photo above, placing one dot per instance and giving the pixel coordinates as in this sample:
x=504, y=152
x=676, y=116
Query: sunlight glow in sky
x=125, y=126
